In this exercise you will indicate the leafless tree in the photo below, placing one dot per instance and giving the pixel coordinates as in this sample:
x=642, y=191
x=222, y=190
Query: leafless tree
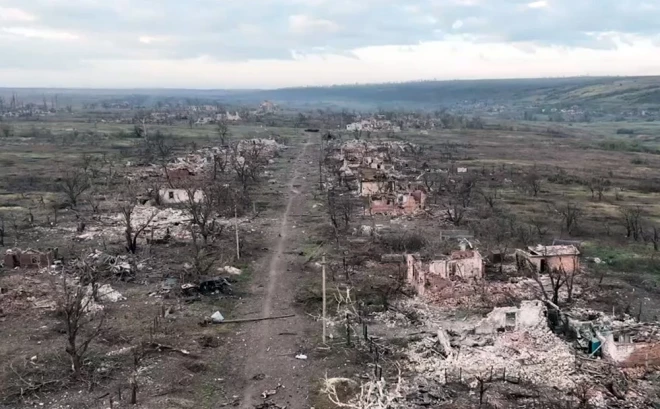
x=86, y=162
x=202, y=257
x=559, y=277
x=455, y=211
x=133, y=228
x=340, y=208
x=157, y=148
x=205, y=204
x=435, y=182
x=570, y=213
x=539, y=224
x=483, y=382
x=632, y=221
x=73, y=183
x=108, y=163
x=221, y=162
x=223, y=131
x=141, y=121
x=248, y=161
x=490, y=197
x=654, y=237
x=598, y=185
x=6, y=130
x=458, y=200
x=75, y=302
x=532, y=182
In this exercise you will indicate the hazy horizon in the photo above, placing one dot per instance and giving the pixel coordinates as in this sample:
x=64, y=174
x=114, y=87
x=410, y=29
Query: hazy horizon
x=315, y=86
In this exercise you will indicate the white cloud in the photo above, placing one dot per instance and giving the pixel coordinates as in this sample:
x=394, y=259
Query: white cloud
x=15, y=15
x=153, y=39
x=249, y=29
x=538, y=4
x=457, y=24
x=374, y=64
x=303, y=24
x=40, y=33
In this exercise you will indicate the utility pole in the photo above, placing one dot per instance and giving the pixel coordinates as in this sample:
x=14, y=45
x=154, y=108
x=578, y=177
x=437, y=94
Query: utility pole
x=324, y=297
x=321, y=166
x=238, y=247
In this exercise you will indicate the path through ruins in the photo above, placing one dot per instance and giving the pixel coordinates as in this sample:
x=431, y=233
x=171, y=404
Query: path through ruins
x=266, y=350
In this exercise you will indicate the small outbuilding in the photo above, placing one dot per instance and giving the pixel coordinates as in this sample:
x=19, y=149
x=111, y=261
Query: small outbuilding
x=548, y=258
x=28, y=258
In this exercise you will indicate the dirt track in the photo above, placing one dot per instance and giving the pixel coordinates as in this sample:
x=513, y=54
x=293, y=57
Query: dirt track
x=264, y=352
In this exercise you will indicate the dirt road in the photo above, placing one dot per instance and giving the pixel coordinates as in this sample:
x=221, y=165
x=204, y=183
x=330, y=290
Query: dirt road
x=266, y=350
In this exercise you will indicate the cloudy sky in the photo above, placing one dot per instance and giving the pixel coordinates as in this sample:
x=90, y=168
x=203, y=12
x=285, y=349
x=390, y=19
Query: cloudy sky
x=275, y=43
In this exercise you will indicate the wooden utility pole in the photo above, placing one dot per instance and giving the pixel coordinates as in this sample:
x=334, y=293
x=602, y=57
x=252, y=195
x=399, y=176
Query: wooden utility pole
x=324, y=297
x=321, y=166
x=238, y=246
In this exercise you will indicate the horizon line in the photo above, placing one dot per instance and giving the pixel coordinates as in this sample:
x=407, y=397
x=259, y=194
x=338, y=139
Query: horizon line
x=356, y=84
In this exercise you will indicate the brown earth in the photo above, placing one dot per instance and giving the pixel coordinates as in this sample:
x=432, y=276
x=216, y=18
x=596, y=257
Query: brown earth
x=264, y=353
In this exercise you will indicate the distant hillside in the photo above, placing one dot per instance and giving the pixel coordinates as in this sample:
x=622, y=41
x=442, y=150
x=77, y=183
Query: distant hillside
x=594, y=91
x=619, y=91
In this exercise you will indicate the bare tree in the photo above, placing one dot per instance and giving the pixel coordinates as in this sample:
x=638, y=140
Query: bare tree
x=632, y=221
x=73, y=183
x=598, y=185
x=223, y=131
x=108, y=163
x=141, y=128
x=221, y=162
x=157, y=148
x=202, y=258
x=458, y=200
x=559, y=277
x=532, y=182
x=570, y=213
x=490, y=196
x=133, y=228
x=75, y=303
x=483, y=385
x=204, y=205
x=6, y=130
x=539, y=224
x=248, y=161
x=340, y=208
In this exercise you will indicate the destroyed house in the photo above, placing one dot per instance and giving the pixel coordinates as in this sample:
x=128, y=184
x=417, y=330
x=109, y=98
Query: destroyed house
x=460, y=264
x=177, y=196
x=28, y=258
x=375, y=181
x=619, y=340
x=549, y=258
x=396, y=204
x=179, y=175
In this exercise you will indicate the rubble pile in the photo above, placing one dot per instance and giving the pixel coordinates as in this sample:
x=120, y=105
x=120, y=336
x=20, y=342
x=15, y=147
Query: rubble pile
x=202, y=160
x=268, y=147
x=477, y=295
x=21, y=292
x=528, y=350
x=197, y=161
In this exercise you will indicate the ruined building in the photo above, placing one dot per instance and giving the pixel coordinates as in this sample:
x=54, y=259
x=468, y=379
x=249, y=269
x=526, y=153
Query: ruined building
x=548, y=258
x=28, y=258
x=460, y=264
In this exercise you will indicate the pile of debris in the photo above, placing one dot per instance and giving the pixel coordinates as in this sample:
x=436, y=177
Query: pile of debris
x=457, y=294
x=267, y=147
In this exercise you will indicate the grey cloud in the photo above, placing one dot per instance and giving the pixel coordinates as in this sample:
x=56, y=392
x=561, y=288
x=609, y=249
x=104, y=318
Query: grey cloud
x=111, y=29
